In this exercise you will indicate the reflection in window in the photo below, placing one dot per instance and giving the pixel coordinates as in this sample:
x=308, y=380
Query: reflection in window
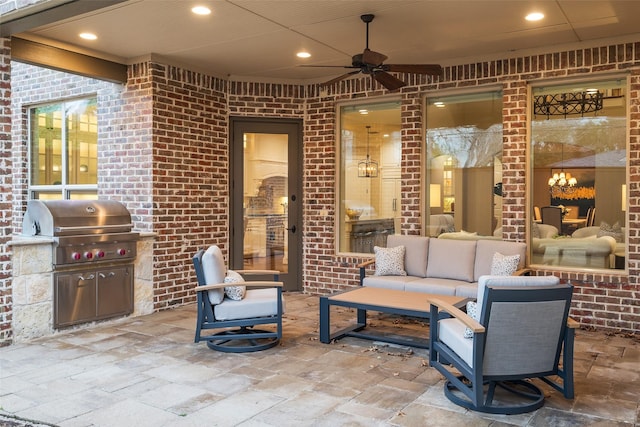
x=464, y=166
x=370, y=155
x=578, y=138
x=64, y=150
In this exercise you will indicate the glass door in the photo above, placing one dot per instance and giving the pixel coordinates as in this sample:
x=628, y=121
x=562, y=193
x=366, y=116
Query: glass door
x=266, y=192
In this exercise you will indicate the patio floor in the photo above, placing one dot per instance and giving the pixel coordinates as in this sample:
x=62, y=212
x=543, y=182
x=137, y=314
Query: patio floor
x=146, y=371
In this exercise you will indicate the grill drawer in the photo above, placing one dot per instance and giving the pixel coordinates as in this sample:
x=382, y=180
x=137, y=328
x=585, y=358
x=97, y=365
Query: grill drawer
x=90, y=294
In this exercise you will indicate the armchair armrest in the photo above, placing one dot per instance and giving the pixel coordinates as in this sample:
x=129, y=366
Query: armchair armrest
x=257, y=272
x=468, y=321
x=572, y=324
x=261, y=284
x=250, y=284
x=211, y=286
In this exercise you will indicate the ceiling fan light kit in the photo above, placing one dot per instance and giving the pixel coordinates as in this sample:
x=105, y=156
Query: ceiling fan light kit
x=372, y=63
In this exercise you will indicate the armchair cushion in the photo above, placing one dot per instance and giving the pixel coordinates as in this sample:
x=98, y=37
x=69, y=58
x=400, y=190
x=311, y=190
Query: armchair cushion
x=256, y=303
x=451, y=332
x=389, y=261
x=504, y=265
x=234, y=292
x=214, y=270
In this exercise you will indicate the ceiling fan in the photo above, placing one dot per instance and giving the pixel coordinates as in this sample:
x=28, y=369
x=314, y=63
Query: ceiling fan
x=370, y=62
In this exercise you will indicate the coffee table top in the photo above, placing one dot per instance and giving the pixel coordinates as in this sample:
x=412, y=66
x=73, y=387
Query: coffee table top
x=392, y=298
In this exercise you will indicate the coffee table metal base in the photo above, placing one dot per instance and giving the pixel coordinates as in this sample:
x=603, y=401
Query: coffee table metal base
x=413, y=304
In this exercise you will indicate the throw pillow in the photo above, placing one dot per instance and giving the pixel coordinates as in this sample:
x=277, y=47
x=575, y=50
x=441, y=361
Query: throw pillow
x=389, y=261
x=614, y=231
x=235, y=293
x=472, y=311
x=504, y=265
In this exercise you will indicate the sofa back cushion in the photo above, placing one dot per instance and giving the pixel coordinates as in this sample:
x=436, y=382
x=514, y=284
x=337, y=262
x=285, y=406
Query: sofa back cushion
x=452, y=259
x=487, y=248
x=415, y=254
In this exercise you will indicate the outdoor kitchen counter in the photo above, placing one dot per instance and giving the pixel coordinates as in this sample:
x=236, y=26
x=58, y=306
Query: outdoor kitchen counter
x=32, y=285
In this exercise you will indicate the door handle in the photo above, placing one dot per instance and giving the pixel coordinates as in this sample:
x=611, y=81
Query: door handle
x=292, y=229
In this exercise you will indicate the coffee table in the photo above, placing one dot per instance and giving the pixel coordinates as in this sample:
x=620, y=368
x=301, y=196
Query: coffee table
x=363, y=299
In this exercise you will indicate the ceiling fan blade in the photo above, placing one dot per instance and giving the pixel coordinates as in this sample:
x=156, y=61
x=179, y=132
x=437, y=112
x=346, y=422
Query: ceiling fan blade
x=339, y=78
x=432, y=69
x=388, y=81
x=372, y=58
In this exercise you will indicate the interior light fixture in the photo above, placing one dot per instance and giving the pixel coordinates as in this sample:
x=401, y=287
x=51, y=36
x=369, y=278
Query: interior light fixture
x=303, y=54
x=88, y=36
x=201, y=10
x=363, y=112
x=368, y=168
x=534, y=16
x=562, y=183
x=439, y=104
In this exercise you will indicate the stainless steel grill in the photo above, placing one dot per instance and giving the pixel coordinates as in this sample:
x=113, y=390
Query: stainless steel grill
x=93, y=254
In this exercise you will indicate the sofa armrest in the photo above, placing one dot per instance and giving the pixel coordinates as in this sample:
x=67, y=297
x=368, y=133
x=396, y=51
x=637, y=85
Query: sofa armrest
x=363, y=268
x=523, y=272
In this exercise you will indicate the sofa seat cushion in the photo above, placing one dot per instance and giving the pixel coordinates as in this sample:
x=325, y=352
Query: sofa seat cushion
x=452, y=259
x=451, y=333
x=256, y=303
x=415, y=254
x=434, y=285
x=389, y=282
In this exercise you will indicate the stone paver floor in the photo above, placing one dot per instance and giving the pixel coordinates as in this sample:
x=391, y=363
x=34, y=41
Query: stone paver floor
x=146, y=371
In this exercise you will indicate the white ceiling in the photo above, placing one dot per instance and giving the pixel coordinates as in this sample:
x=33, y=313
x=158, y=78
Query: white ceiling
x=257, y=39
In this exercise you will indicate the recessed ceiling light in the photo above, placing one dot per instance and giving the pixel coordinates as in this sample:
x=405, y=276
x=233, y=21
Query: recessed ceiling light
x=88, y=36
x=534, y=16
x=439, y=104
x=363, y=111
x=303, y=54
x=201, y=10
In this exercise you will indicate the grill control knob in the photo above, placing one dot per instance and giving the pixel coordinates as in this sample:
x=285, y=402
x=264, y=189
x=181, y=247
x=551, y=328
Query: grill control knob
x=100, y=254
x=88, y=255
x=76, y=256
x=121, y=252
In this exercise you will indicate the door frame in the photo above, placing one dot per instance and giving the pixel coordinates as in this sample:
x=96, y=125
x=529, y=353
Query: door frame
x=294, y=128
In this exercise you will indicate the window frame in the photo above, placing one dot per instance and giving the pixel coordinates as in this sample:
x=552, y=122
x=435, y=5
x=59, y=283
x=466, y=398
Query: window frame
x=530, y=166
x=339, y=224
x=64, y=190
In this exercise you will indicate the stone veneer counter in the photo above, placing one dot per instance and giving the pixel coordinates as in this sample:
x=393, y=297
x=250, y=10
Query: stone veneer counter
x=33, y=276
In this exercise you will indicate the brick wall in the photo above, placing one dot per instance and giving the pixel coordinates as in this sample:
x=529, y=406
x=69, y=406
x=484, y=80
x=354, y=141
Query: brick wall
x=170, y=133
x=6, y=194
x=190, y=176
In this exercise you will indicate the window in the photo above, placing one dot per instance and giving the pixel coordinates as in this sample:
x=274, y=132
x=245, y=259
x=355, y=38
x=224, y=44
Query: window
x=579, y=158
x=64, y=150
x=369, y=194
x=464, y=166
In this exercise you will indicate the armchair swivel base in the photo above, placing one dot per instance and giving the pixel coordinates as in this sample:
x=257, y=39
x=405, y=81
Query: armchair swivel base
x=502, y=397
x=242, y=340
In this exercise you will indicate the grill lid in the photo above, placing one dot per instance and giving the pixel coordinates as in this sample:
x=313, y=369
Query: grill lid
x=74, y=217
